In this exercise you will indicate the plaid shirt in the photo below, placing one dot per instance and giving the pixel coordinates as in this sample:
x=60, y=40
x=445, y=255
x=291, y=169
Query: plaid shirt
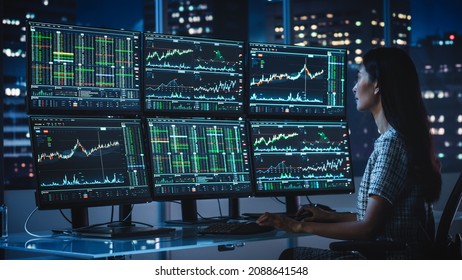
x=387, y=175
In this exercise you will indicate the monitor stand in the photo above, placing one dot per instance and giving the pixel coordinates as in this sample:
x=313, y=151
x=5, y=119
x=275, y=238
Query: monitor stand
x=79, y=217
x=125, y=216
x=189, y=215
x=233, y=208
x=292, y=204
x=124, y=229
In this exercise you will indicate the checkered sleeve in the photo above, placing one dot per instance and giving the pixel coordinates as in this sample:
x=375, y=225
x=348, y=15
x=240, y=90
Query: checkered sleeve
x=389, y=173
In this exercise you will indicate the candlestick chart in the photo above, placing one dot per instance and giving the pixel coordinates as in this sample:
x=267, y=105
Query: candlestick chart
x=198, y=156
x=73, y=68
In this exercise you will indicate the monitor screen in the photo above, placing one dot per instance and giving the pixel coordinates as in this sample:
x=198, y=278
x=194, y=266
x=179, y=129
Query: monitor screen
x=301, y=157
x=82, y=162
x=199, y=158
x=82, y=69
x=192, y=75
x=296, y=81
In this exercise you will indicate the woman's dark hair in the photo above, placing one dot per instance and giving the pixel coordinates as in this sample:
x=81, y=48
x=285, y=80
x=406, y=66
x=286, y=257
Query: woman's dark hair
x=404, y=109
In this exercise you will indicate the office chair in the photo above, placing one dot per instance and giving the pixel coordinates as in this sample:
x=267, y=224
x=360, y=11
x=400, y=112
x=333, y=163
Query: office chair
x=442, y=247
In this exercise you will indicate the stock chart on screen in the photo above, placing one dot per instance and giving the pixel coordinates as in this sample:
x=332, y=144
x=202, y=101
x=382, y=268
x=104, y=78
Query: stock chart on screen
x=199, y=157
x=193, y=75
x=83, y=69
x=88, y=160
x=286, y=80
x=301, y=157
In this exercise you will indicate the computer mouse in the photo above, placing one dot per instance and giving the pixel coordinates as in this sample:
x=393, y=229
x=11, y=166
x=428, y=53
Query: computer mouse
x=324, y=207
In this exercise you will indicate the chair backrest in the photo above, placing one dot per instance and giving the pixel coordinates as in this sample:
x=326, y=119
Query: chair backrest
x=448, y=214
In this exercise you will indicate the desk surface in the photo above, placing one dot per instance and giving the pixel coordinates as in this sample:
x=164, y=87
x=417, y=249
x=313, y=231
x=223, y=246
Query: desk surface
x=98, y=248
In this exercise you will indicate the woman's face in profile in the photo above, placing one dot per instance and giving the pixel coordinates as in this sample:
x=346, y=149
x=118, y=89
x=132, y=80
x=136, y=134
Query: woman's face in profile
x=365, y=92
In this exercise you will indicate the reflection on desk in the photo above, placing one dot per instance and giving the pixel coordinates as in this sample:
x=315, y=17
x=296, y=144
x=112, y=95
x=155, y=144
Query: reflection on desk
x=185, y=237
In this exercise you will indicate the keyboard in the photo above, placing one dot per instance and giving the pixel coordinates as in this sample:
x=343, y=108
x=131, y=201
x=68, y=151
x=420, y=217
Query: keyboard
x=237, y=228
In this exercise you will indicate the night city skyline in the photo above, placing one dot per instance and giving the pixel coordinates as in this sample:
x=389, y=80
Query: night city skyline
x=429, y=17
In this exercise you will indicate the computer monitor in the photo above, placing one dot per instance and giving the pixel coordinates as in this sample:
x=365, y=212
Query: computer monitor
x=296, y=81
x=82, y=162
x=197, y=76
x=198, y=159
x=294, y=158
x=75, y=69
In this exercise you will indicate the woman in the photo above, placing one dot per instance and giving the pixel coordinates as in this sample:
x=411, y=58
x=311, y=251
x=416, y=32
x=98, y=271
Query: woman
x=402, y=176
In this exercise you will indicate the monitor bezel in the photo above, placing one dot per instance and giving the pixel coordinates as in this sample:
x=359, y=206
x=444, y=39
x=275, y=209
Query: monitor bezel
x=300, y=192
x=74, y=204
x=69, y=111
x=200, y=196
x=292, y=115
x=194, y=113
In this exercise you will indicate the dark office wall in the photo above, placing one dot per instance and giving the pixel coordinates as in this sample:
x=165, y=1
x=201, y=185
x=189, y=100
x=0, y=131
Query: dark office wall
x=230, y=19
x=2, y=169
x=2, y=253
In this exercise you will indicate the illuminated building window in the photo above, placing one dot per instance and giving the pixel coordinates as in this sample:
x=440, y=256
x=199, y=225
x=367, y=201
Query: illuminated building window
x=11, y=22
x=12, y=92
x=400, y=42
x=458, y=67
x=11, y=53
x=442, y=94
x=428, y=94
